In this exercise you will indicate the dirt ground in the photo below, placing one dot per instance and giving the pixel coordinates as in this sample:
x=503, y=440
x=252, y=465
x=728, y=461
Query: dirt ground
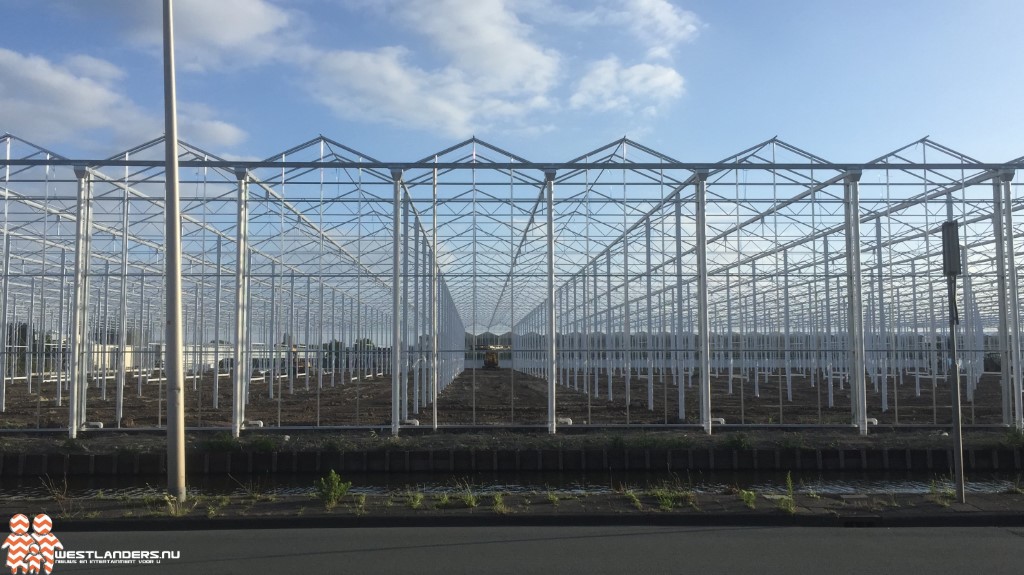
x=501, y=397
x=466, y=503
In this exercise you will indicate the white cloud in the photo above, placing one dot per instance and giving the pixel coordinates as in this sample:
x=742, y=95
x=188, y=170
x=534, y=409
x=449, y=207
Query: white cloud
x=659, y=24
x=460, y=68
x=48, y=102
x=608, y=86
x=493, y=71
x=198, y=124
x=79, y=103
x=382, y=85
x=486, y=41
x=215, y=34
x=90, y=67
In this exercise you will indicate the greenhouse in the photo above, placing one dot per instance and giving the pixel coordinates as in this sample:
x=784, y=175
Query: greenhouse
x=476, y=288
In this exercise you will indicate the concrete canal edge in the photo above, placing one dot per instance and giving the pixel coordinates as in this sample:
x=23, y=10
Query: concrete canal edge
x=513, y=461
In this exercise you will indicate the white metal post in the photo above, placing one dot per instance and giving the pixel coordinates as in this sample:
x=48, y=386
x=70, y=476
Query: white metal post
x=703, y=327
x=855, y=317
x=173, y=361
x=216, y=331
x=1005, y=177
x=396, y=335
x=549, y=178
x=240, y=363
x=80, y=301
x=121, y=374
x=4, y=292
x=434, y=307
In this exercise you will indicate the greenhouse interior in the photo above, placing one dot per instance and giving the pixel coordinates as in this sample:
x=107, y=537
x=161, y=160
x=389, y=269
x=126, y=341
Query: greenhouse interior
x=324, y=288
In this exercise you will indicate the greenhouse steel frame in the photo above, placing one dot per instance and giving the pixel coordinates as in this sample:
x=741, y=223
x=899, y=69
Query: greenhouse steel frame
x=621, y=271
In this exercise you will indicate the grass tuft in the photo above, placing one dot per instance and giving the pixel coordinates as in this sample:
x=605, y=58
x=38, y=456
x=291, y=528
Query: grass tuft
x=331, y=489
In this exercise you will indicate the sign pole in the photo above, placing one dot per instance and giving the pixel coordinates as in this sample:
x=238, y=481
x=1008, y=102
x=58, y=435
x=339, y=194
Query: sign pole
x=952, y=266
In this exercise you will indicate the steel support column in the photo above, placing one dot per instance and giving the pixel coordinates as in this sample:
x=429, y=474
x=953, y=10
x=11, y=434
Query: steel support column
x=549, y=180
x=434, y=307
x=81, y=298
x=240, y=369
x=5, y=269
x=703, y=323
x=1012, y=299
x=396, y=311
x=172, y=239
x=855, y=316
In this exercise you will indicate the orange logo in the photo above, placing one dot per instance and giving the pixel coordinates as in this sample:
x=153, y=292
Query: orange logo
x=31, y=553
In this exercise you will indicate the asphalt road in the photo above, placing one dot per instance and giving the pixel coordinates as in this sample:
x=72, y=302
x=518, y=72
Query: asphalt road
x=553, y=550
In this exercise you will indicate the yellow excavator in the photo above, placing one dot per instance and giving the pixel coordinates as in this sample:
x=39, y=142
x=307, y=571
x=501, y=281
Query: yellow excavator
x=491, y=360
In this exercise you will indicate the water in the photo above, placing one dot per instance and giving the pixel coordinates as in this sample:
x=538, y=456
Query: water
x=134, y=487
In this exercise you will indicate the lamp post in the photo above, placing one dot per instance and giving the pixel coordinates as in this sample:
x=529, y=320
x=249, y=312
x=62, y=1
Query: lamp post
x=952, y=266
x=173, y=359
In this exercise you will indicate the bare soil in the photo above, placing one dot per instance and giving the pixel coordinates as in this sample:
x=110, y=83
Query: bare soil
x=504, y=397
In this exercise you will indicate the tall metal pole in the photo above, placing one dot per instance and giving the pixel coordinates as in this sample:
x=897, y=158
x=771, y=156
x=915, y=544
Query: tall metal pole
x=855, y=316
x=396, y=335
x=78, y=304
x=173, y=359
x=241, y=362
x=1004, y=333
x=434, y=308
x=5, y=265
x=952, y=266
x=549, y=177
x=1012, y=298
x=703, y=326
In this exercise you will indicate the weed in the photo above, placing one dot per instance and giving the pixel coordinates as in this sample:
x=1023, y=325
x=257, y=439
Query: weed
x=671, y=495
x=469, y=499
x=263, y=444
x=738, y=441
x=499, y=504
x=253, y=490
x=389, y=502
x=941, y=492
x=360, y=504
x=552, y=498
x=214, y=507
x=791, y=441
x=221, y=442
x=443, y=501
x=668, y=500
x=414, y=500
x=786, y=503
x=464, y=490
x=337, y=444
x=1014, y=438
x=631, y=496
x=74, y=445
x=749, y=498
x=59, y=493
x=178, y=508
x=331, y=489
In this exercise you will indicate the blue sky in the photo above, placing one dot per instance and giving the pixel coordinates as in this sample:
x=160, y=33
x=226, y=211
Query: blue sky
x=547, y=79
